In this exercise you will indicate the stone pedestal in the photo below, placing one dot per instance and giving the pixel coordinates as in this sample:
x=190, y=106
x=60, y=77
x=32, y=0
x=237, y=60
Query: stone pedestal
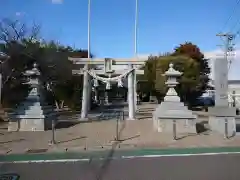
x=184, y=126
x=222, y=120
x=31, y=115
x=167, y=112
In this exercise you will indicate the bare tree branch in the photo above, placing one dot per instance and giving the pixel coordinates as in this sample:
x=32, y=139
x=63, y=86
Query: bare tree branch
x=14, y=30
x=35, y=31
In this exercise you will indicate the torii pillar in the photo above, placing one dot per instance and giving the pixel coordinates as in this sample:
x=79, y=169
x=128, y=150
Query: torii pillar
x=87, y=86
x=85, y=93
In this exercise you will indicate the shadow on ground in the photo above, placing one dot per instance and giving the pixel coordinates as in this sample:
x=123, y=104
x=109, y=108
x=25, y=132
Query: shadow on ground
x=12, y=141
x=99, y=172
x=66, y=124
x=202, y=127
x=73, y=139
x=237, y=128
x=69, y=118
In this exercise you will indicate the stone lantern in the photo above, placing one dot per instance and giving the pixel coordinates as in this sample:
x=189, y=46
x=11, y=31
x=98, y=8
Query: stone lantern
x=33, y=114
x=172, y=112
x=171, y=76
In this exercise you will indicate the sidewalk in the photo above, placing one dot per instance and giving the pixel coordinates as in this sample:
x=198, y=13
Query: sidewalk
x=96, y=136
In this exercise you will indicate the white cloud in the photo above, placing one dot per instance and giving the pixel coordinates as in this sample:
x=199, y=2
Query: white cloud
x=234, y=73
x=19, y=14
x=57, y=1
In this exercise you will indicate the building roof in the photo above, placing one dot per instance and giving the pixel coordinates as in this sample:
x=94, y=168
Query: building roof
x=231, y=81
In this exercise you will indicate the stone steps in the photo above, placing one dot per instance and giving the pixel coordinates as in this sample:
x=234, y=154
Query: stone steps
x=145, y=111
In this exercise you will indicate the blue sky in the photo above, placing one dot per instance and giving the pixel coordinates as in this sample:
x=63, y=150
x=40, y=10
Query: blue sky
x=162, y=24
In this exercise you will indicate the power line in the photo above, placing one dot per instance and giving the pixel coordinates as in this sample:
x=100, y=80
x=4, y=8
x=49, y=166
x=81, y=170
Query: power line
x=228, y=48
x=231, y=15
x=233, y=27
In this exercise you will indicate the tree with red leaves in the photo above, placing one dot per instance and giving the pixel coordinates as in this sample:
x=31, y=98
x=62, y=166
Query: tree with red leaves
x=186, y=58
x=193, y=51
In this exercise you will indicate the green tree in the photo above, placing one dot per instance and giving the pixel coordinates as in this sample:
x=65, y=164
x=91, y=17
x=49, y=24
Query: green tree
x=187, y=82
x=24, y=47
x=12, y=37
x=186, y=58
x=57, y=72
x=193, y=51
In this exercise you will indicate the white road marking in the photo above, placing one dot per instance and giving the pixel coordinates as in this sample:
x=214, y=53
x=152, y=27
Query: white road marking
x=121, y=157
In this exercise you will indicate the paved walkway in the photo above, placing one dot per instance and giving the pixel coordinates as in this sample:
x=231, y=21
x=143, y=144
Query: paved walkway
x=100, y=135
x=87, y=151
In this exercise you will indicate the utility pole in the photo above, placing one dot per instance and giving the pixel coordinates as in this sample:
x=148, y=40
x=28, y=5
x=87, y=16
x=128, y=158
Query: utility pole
x=221, y=114
x=227, y=45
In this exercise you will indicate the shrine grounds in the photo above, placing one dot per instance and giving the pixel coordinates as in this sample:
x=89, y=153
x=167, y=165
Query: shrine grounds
x=88, y=150
x=100, y=136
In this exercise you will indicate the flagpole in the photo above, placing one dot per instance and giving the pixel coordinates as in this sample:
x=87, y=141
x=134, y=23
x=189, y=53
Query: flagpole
x=86, y=85
x=89, y=21
x=135, y=52
x=89, y=52
x=136, y=28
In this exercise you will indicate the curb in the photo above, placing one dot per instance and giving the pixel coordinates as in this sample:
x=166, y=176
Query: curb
x=116, y=154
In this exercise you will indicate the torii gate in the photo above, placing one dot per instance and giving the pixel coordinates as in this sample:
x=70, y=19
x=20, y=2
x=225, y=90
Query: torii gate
x=131, y=73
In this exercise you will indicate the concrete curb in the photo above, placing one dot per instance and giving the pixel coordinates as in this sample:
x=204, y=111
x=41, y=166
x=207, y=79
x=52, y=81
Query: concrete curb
x=117, y=154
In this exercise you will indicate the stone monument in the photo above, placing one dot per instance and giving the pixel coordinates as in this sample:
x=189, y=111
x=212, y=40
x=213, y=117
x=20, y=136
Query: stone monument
x=221, y=116
x=32, y=114
x=172, y=113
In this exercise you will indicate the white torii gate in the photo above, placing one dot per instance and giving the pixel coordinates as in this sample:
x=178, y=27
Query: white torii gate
x=131, y=72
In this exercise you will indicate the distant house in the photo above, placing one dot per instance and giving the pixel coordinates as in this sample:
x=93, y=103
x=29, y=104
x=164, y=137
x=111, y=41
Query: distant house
x=233, y=85
x=233, y=88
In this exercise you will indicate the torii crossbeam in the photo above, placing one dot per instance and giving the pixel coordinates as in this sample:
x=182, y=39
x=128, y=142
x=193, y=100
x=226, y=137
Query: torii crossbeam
x=108, y=69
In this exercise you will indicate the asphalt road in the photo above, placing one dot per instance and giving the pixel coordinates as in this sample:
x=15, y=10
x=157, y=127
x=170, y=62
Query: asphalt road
x=216, y=167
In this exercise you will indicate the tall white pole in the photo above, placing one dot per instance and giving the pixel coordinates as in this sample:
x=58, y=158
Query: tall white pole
x=89, y=53
x=135, y=52
x=86, y=84
x=89, y=24
x=136, y=28
x=132, y=78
